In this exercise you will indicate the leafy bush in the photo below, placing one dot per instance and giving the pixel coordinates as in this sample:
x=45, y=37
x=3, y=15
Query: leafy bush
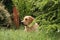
x=38, y=7
x=48, y=10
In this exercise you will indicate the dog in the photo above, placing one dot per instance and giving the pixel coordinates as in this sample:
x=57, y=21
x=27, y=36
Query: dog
x=27, y=21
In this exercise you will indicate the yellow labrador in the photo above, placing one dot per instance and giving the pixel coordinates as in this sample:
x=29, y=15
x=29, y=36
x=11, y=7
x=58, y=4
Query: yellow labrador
x=27, y=21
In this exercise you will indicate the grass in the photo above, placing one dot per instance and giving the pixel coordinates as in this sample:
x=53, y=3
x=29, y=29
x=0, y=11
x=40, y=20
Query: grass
x=19, y=34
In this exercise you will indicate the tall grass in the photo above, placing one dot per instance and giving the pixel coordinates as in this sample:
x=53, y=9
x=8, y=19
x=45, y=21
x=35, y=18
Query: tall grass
x=43, y=34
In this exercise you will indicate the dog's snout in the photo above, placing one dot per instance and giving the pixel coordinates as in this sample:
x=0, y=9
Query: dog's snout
x=21, y=22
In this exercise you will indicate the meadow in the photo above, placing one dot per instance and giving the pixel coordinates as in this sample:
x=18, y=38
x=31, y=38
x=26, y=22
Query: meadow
x=20, y=34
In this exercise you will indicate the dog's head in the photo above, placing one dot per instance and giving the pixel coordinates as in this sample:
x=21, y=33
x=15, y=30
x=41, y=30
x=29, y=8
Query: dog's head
x=27, y=20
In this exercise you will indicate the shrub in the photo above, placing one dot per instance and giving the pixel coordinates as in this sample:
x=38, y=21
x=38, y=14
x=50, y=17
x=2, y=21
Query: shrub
x=48, y=10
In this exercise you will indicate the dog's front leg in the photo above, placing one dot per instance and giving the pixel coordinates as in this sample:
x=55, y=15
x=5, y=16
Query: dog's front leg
x=25, y=29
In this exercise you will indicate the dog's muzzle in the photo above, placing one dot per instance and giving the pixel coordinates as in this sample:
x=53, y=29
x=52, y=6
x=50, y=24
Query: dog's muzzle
x=23, y=23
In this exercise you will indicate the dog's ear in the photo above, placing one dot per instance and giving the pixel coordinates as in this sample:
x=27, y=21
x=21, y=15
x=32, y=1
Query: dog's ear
x=31, y=18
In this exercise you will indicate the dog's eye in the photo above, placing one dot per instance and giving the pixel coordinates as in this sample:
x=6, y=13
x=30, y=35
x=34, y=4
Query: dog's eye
x=25, y=19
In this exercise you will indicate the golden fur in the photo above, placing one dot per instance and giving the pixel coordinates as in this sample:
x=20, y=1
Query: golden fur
x=27, y=21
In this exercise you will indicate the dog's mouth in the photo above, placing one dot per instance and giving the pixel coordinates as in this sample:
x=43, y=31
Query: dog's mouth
x=23, y=24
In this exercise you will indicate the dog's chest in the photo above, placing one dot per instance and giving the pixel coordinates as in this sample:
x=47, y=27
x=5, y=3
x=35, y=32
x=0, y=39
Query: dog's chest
x=33, y=28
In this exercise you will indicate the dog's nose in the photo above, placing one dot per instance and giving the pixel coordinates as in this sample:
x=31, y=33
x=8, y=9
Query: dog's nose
x=21, y=22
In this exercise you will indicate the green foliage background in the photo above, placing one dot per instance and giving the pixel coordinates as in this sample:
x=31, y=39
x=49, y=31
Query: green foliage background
x=48, y=10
